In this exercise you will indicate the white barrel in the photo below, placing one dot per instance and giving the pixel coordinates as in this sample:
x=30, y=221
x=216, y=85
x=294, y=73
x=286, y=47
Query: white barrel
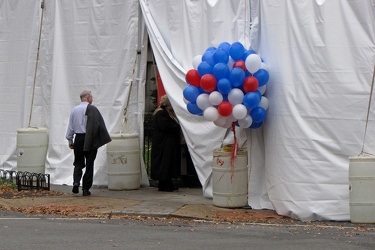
x=361, y=189
x=124, y=166
x=32, y=144
x=229, y=186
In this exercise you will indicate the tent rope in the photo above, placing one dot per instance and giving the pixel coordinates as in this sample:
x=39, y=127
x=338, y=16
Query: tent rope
x=368, y=111
x=36, y=64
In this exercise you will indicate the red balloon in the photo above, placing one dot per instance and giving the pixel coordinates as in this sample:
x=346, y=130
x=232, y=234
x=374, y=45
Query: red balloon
x=250, y=84
x=225, y=109
x=240, y=64
x=208, y=82
x=193, y=77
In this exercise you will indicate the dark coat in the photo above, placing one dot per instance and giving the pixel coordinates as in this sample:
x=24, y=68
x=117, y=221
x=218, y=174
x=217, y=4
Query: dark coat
x=166, y=147
x=96, y=132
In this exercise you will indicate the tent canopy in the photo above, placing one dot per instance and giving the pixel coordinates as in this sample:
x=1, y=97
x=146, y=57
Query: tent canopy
x=320, y=55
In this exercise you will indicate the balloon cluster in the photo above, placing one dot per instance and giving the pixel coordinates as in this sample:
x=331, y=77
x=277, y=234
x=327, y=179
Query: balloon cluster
x=226, y=85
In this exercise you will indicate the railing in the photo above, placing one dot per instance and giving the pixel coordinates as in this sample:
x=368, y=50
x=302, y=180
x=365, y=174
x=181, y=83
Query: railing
x=147, y=142
x=26, y=180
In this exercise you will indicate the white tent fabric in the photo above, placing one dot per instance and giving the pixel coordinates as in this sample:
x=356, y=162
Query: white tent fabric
x=320, y=55
x=84, y=45
x=313, y=64
x=17, y=47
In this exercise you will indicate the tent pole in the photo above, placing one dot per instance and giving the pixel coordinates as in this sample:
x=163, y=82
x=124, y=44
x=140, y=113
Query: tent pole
x=36, y=64
x=368, y=110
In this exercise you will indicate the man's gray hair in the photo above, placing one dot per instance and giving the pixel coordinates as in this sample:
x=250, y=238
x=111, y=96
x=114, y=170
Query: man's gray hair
x=85, y=94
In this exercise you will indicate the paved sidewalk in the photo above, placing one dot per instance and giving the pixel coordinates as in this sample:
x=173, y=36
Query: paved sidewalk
x=184, y=203
x=148, y=202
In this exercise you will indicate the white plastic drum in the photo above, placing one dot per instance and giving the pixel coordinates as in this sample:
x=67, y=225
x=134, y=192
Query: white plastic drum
x=361, y=189
x=229, y=190
x=124, y=166
x=32, y=145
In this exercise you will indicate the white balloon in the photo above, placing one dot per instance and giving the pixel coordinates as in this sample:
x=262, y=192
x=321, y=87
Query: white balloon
x=262, y=89
x=196, y=61
x=245, y=122
x=215, y=98
x=203, y=102
x=253, y=63
x=264, y=103
x=235, y=96
x=239, y=111
x=264, y=66
x=211, y=114
x=220, y=122
x=185, y=101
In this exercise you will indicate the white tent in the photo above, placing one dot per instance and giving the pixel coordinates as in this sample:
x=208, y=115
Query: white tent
x=320, y=56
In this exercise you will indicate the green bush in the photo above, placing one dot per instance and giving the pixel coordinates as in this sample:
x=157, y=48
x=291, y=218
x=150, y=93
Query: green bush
x=7, y=183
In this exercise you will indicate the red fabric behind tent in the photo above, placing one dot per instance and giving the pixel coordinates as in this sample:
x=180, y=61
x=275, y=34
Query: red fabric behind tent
x=161, y=90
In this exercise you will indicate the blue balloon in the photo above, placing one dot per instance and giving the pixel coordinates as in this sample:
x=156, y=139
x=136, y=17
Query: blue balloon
x=221, y=56
x=220, y=70
x=225, y=98
x=225, y=46
x=258, y=114
x=224, y=86
x=191, y=93
x=262, y=76
x=252, y=51
x=236, y=77
x=194, y=109
x=258, y=92
x=255, y=125
x=208, y=57
x=236, y=51
x=204, y=68
x=212, y=49
x=251, y=100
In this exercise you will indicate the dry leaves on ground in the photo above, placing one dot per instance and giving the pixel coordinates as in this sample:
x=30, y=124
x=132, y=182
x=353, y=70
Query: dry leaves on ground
x=57, y=209
x=9, y=192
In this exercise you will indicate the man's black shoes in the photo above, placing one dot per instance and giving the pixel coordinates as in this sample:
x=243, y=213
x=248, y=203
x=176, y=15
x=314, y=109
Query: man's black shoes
x=86, y=193
x=75, y=190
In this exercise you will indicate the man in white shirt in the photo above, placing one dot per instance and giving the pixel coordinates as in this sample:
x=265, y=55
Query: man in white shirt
x=85, y=134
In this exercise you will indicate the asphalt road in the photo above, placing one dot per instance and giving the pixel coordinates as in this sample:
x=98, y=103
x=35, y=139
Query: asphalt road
x=22, y=231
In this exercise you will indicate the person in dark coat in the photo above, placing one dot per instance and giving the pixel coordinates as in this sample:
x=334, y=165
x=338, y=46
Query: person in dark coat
x=166, y=148
x=85, y=134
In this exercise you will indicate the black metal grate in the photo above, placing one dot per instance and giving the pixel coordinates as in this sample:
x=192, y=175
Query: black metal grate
x=26, y=180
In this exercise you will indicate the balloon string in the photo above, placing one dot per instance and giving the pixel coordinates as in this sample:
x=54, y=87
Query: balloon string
x=233, y=153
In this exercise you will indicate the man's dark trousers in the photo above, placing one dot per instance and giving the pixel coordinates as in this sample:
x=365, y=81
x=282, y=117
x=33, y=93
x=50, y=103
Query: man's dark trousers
x=83, y=159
